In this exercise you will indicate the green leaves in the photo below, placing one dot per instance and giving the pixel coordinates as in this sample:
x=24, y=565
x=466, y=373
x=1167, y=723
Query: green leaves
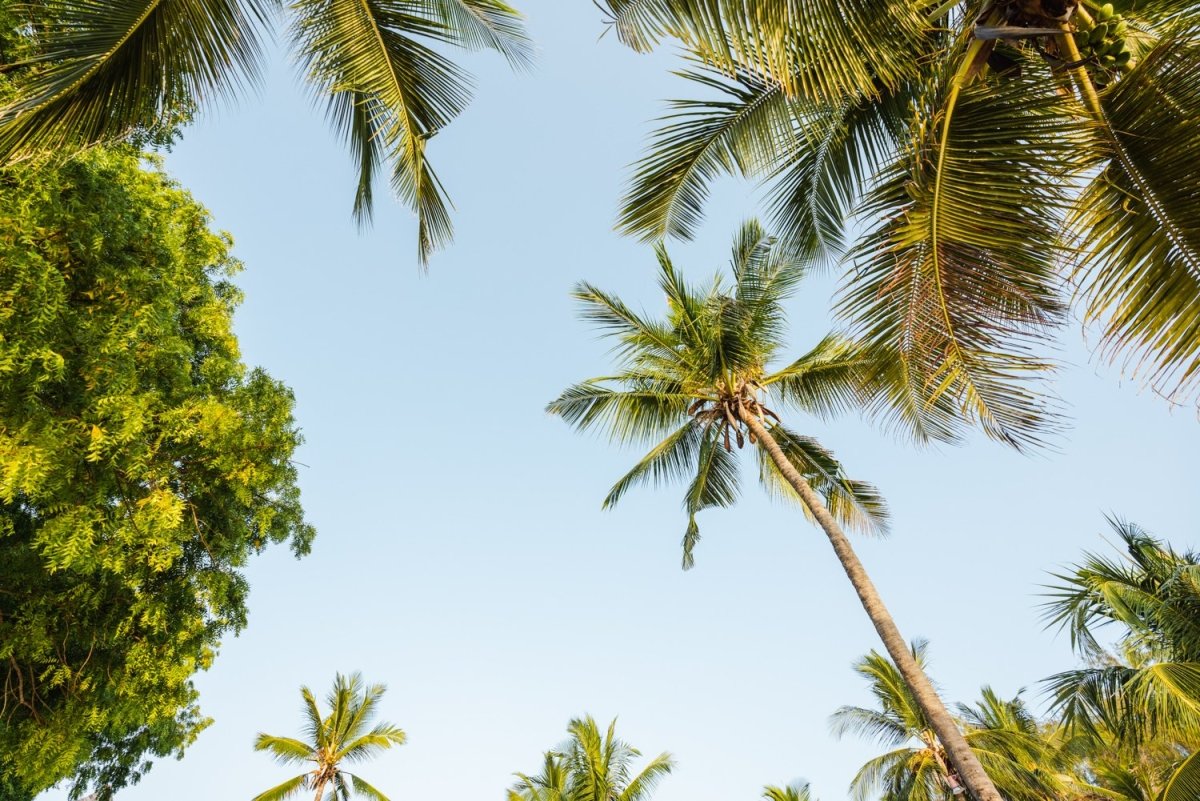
x=962, y=300
x=1138, y=221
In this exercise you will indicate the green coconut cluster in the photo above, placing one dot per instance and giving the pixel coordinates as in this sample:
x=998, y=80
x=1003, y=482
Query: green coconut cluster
x=1101, y=40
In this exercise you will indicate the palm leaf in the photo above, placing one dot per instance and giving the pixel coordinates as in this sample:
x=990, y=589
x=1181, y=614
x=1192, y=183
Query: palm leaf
x=362, y=788
x=1184, y=784
x=284, y=790
x=286, y=750
x=108, y=67
x=386, y=92
x=830, y=379
x=640, y=413
x=714, y=485
x=957, y=281
x=855, y=504
x=485, y=25
x=1138, y=221
x=669, y=460
x=641, y=786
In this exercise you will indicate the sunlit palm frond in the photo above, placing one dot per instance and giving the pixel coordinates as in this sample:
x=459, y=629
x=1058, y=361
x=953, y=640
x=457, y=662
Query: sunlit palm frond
x=107, y=67
x=963, y=298
x=642, y=786
x=847, y=50
x=670, y=460
x=284, y=790
x=380, y=738
x=1184, y=784
x=796, y=791
x=367, y=53
x=883, y=727
x=485, y=25
x=715, y=484
x=740, y=132
x=855, y=504
x=286, y=750
x=833, y=378
x=362, y=788
x=1138, y=222
x=637, y=414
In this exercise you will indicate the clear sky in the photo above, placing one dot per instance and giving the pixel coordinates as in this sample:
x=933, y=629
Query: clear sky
x=462, y=556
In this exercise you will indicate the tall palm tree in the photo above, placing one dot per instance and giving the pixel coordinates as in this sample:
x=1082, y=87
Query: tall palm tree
x=981, y=155
x=1145, y=699
x=700, y=379
x=346, y=735
x=592, y=765
x=104, y=68
x=1024, y=764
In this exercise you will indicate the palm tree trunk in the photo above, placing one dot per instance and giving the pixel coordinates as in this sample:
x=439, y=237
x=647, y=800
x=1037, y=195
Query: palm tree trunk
x=320, y=790
x=964, y=759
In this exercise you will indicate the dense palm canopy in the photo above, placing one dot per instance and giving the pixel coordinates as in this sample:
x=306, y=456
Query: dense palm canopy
x=592, y=765
x=680, y=380
x=969, y=163
x=1140, y=706
x=99, y=70
x=348, y=734
x=1003, y=734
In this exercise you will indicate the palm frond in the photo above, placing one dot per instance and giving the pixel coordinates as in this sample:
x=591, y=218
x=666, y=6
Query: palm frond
x=957, y=281
x=855, y=504
x=285, y=750
x=1138, y=221
x=108, y=67
x=382, y=737
x=714, y=485
x=832, y=378
x=362, y=788
x=386, y=92
x=637, y=414
x=1184, y=784
x=847, y=49
x=485, y=25
x=284, y=790
x=740, y=132
x=796, y=791
x=669, y=460
x=641, y=786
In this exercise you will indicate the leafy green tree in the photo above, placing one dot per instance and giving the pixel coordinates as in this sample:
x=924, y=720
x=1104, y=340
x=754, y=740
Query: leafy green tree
x=100, y=70
x=698, y=379
x=1024, y=764
x=592, y=765
x=347, y=735
x=1139, y=707
x=981, y=160
x=141, y=465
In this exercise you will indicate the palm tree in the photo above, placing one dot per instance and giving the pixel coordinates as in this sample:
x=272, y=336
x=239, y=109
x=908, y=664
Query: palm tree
x=1024, y=764
x=347, y=735
x=700, y=378
x=592, y=766
x=1140, y=706
x=102, y=69
x=981, y=158
x=796, y=791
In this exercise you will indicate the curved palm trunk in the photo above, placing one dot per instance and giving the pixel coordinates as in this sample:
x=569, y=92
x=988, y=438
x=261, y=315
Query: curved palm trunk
x=964, y=760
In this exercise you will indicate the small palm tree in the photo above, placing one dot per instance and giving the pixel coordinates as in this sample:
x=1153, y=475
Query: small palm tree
x=592, y=765
x=796, y=791
x=1141, y=706
x=347, y=735
x=1024, y=764
x=700, y=380
x=101, y=69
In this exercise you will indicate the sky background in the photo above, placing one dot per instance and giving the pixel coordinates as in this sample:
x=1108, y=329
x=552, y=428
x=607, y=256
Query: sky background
x=462, y=556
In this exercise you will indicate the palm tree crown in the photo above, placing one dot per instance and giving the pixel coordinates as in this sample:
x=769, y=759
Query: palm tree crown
x=101, y=69
x=592, y=765
x=683, y=382
x=348, y=734
x=986, y=154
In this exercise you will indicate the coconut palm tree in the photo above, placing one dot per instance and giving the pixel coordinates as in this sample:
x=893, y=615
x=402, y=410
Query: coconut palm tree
x=966, y=157
x=592, y=765
x=701, y=379
x=102, y=69
x=1024, y=764
x=796, y=791
x=1144, y=700
x=347, y=735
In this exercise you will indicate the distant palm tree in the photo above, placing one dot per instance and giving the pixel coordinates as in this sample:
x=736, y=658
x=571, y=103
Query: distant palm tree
x=1140, y=707
x=796, y=791
x=700, y=378
x=101, y=69
x=593, y=765
x=1024, y=765
x=347, y=735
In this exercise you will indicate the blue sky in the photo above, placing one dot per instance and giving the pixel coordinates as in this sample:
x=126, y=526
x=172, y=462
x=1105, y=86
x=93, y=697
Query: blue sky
x=462, y=556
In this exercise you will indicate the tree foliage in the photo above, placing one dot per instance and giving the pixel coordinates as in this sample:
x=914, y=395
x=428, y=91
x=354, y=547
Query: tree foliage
x=141, y=465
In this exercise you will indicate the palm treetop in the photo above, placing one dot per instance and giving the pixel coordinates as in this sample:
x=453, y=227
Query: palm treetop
x=348, y=734
x=683, y=381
